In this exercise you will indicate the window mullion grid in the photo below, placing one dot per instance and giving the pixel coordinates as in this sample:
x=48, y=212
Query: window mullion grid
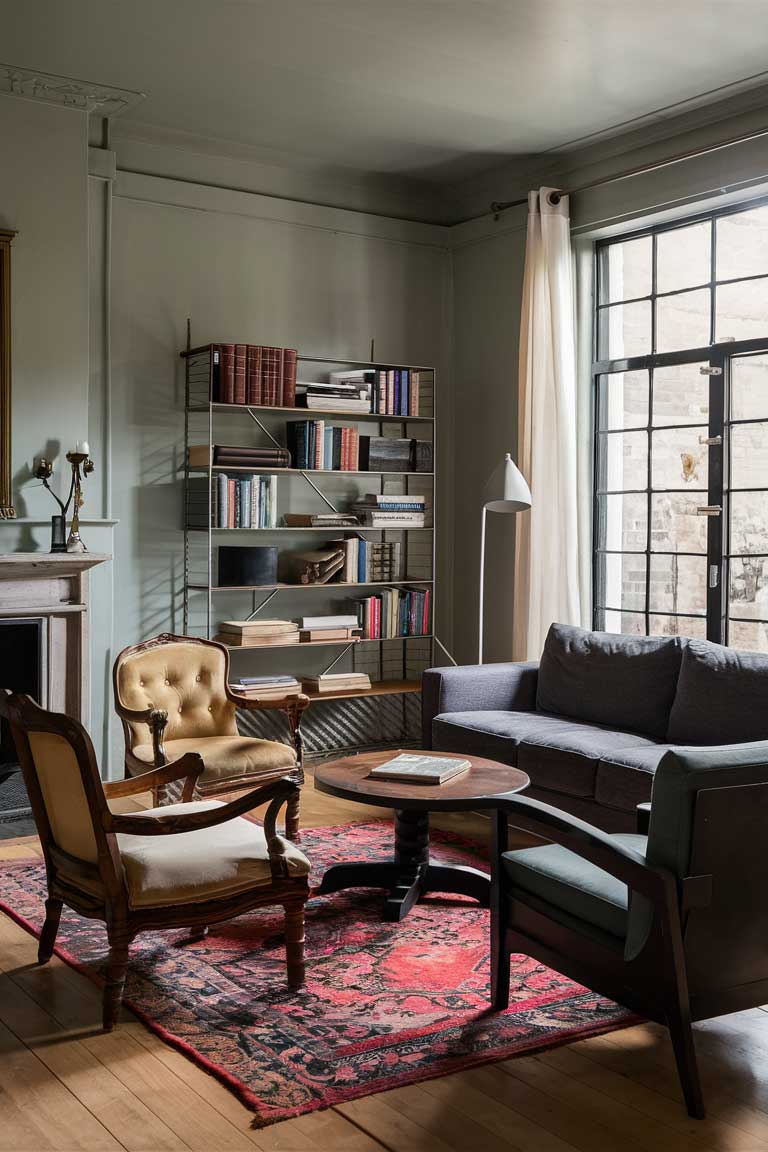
x=716, y=527
x=649, y=494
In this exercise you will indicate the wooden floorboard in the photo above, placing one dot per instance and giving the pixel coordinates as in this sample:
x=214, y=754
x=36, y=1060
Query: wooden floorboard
x=65, y=1086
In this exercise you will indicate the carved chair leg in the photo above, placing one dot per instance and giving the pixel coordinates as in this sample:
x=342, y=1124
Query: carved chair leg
x=115, y=982
x=195, y=935
x=50, y=929
x=292, y=810
x=294, y=943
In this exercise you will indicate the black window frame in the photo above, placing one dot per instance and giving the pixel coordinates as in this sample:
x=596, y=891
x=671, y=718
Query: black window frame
x=717, y=357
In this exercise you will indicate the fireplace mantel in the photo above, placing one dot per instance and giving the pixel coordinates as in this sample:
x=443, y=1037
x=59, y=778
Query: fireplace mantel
x=53, y=587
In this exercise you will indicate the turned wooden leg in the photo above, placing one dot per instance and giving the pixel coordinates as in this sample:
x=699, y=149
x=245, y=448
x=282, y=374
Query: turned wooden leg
x=294, y=943
x=292, y=818
x=50, y=928
x=116, y=969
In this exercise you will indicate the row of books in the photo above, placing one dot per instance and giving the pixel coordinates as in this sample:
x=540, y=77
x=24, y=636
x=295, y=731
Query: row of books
x=236, y=502
x=369, y=561
x=278, y=687
x=253, y=374
x=313, y=444
x=386, y=391
x=395, y=612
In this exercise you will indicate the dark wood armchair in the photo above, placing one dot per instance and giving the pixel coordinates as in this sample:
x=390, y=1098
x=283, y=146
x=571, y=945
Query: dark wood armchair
x=118, y=868
x=172, y=695
x=672, y=924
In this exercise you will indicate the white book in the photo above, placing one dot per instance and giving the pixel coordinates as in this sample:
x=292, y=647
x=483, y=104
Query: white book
x=413, y=769
x=314, y=623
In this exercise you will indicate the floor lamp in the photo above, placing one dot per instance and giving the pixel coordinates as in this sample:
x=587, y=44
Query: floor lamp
x=509, y=493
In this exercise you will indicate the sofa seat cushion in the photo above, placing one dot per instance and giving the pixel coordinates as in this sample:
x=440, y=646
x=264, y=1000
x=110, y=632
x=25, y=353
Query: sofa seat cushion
x=625, y=778
x=190, y=866
x=557, y=753
x=721, y=696
x=573, y=886
x=226, y=756
x=624, y=682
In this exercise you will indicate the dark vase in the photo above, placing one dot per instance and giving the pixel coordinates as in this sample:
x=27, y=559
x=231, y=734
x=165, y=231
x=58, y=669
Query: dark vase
x=58, y=533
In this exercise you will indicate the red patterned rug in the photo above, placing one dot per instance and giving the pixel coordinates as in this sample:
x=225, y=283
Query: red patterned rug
x=384, y=1004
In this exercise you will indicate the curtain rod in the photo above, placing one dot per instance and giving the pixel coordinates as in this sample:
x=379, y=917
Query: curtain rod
x=498, y=206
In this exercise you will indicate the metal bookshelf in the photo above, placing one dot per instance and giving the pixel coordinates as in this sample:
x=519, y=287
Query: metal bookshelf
x=394, y=664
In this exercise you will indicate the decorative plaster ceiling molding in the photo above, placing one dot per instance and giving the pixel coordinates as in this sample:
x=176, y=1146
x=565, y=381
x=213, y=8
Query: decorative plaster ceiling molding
x=82, y=94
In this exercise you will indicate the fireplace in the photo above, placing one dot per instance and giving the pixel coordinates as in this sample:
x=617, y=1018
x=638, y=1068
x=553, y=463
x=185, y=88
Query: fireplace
x=21, y=669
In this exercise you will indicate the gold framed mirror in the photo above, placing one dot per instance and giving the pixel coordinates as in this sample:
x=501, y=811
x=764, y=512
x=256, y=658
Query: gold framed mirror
x=7, y=511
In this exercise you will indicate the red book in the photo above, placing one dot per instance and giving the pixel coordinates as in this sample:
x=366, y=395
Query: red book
x=227, y=371
x=425, y=621
x=280, y=387
x=253, y=374
x=230, y=504
x=413, y=395
x=390, y=392
x=270, y=364
x=240, y=367
x=290, y=357
x=355, y=465
x=345, y=450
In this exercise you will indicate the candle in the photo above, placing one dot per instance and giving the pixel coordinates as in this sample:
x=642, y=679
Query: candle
x=82, y=447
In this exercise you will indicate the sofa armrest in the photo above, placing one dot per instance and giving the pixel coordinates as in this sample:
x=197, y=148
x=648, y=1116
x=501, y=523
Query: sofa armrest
x=475, y=688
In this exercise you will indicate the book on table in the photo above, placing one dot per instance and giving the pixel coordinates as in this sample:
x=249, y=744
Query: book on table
x=413, y=769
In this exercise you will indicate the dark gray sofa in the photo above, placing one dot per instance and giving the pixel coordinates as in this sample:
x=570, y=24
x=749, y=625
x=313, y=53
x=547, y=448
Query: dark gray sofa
x=591, y=721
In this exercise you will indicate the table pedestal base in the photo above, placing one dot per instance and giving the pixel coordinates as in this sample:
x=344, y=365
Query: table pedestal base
x=410, y=875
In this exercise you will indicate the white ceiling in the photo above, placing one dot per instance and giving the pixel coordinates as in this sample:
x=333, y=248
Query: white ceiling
x=432, y=89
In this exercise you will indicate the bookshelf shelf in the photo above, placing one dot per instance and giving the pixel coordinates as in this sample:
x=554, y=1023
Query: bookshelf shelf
x=393, y=664
x=310, y=413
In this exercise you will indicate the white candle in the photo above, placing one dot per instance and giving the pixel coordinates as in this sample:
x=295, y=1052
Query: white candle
x=82, y=447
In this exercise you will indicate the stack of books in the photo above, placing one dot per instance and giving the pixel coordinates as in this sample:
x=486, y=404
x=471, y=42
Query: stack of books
x=337, y=682
x=254, y=374
x=237, y=456
x=320, y=520
x=391, y=511
x=396, y=392
x=266, y=687
x=257, y=633
x=315, y=629
x=370, y=562
x=344, y=392
x=395, y=612
x=315, y=444
x=236, y=502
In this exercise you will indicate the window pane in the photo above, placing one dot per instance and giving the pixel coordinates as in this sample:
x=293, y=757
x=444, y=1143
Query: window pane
x=623, y=522
x=675, y=527
x=623, y=400
x=625, y=270
x=749, y=387
x=624, y=582
x=693, y=626
x=742, y=244
x=628, y=622
x=680, y=395
x=752, y=637
x=749, y=456
x=625, y=330
x=623, y=462
x=748, y=587
x=741, y=310
x=683, y=321
x=679, y=584
x=683, y=257
x=749, y=523
x=679, y=461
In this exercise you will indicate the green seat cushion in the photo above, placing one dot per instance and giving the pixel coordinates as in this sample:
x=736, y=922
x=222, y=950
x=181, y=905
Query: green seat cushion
x=574, y=886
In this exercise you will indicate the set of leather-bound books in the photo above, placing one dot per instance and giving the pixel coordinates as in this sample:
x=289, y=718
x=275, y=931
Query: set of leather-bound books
x=254, y=374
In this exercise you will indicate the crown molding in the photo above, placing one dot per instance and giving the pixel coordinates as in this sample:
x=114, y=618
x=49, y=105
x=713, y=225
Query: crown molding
x=65, y=90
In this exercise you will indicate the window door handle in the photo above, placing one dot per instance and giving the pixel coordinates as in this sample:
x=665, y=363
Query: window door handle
x=709, y=510
x=711, y=441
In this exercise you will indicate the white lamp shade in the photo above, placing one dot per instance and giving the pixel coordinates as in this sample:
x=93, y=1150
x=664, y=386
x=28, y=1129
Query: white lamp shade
x=508, y=489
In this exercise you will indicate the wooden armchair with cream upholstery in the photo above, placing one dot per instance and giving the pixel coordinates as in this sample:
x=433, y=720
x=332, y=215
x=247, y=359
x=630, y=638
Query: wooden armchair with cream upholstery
x=184, y=865
x=172, y=695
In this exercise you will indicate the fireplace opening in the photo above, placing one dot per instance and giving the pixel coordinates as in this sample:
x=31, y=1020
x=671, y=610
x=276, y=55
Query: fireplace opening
x=21, y=670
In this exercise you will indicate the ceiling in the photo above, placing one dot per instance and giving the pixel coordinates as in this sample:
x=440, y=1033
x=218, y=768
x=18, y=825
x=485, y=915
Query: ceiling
x=437, y=90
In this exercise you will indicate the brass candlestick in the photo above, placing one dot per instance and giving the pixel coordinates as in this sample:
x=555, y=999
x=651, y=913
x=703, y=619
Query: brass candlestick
x=78, y=460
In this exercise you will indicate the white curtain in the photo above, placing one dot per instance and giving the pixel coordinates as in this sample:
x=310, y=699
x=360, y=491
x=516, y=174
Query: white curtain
x=547, y=542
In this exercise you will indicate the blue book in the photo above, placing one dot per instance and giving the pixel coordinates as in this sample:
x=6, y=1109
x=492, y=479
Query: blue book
x=405, y=387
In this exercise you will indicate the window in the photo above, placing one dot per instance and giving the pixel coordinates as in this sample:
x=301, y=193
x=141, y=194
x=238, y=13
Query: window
x=681, y=430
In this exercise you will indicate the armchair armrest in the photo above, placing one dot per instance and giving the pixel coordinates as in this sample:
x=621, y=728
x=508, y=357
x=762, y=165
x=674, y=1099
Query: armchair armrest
x=589, y=842
x=156, y=718
x=293, y=706
x=476, y=687
x=188, y=767
x=278, y=792
x=643, y=818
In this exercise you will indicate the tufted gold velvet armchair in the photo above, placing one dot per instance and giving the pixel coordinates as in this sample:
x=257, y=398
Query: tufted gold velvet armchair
x=172, y=695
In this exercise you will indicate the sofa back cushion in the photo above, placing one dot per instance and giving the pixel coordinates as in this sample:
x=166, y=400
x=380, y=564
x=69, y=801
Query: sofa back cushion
x=722, y=696
x=625, y=682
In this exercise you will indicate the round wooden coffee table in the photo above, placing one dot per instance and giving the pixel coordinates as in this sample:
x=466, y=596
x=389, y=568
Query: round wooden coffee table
x=410, y=873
